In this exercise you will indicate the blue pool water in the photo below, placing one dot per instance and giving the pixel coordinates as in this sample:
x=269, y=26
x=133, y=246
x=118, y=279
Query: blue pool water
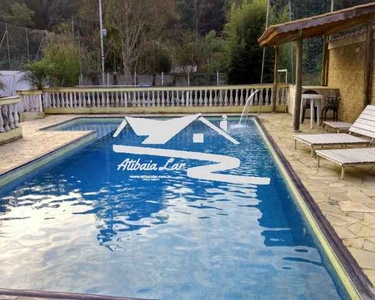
x=82, y=225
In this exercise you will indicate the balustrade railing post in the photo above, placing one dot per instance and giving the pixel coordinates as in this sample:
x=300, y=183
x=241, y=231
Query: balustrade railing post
x=11, y=118
x=2, y=129
x=5, y=112
x=126, y=99
x=16, y=116
x=40, y=102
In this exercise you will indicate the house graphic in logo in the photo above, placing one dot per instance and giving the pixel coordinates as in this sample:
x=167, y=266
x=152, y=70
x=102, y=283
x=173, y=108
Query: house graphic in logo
x=159, y=132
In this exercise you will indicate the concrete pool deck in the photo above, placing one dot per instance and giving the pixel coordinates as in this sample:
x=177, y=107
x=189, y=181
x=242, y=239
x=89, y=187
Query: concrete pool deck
x=348, y=205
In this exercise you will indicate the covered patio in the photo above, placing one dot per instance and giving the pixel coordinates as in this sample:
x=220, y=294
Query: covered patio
x=324, y=26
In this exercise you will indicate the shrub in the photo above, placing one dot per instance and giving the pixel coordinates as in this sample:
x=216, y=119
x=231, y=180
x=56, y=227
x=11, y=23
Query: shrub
x=64, y=63
x=37, y=73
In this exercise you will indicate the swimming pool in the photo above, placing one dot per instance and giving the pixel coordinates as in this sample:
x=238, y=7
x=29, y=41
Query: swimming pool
x=96, y=221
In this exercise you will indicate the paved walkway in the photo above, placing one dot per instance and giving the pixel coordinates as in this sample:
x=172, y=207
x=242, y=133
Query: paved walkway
x=349, y=205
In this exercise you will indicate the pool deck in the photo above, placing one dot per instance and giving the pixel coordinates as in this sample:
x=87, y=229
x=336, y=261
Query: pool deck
x=348, y=205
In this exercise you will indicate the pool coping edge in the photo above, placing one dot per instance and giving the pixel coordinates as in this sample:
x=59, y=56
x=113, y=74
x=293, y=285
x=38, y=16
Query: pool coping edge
x=59, y=295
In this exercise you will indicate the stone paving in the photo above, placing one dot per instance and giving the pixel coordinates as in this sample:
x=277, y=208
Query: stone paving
x=349, y=205
x=36, y=143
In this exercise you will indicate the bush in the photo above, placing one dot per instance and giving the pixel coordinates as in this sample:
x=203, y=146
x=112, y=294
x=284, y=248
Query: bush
x=60, y=65
x=37, y=73
x=64, y=63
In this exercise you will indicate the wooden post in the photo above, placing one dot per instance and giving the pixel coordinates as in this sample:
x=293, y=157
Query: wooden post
x=324, y=75
x=275, y=78
x=297, y=102
x=368, y=65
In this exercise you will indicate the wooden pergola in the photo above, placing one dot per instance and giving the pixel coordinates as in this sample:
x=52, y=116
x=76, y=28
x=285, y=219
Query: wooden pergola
x=320, y=25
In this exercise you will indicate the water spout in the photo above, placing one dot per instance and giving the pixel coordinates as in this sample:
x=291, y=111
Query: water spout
x=245, y=111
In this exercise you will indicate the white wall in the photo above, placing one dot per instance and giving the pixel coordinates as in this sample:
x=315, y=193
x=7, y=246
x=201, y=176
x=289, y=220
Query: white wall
x=12, y=82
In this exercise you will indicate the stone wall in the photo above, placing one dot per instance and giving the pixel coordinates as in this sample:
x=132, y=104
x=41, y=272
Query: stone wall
x=346, y=72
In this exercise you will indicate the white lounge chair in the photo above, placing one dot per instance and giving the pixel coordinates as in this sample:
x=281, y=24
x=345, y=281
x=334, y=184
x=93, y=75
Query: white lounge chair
x=348, y=157
x=364, y=126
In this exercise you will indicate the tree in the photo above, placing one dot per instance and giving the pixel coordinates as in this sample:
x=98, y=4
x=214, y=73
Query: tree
x=203, y=53
x=16, y=13
x=201, y=16
x=245, y=25
x=60, y=65
x=156, y=59
x=62, y=55
x=191, y=51
x=49, y=14
x=216, y=46
x=132, y=24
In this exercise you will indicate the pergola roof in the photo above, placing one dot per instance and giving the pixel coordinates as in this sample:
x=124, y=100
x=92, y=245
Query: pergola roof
x=320, y=25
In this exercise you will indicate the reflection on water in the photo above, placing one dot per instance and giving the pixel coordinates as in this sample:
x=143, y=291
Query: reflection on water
x=82, y=226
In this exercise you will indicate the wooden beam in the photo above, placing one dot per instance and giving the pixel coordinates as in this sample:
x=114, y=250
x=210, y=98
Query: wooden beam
x=325, y=24
x=324, y=75
x=275, y=78
x=367, y=91
x=298, y=96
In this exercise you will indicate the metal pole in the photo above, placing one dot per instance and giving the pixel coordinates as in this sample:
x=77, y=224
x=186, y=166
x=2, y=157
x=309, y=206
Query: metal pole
x=101, y=40
x=40, y=46
x=80, y=57
x=27, y=46
x=332, y=5
x=7, y=33
x=264, y=49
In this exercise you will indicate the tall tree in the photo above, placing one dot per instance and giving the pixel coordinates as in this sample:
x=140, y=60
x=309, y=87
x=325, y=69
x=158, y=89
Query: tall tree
x=201, y=16
x=245, y=25
x=49, y=14
x=16, y=13
x=132, y=24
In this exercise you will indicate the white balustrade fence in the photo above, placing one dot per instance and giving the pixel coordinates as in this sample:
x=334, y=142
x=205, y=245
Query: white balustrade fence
x=161, y=97
x=9, y=113
x=31, y=101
